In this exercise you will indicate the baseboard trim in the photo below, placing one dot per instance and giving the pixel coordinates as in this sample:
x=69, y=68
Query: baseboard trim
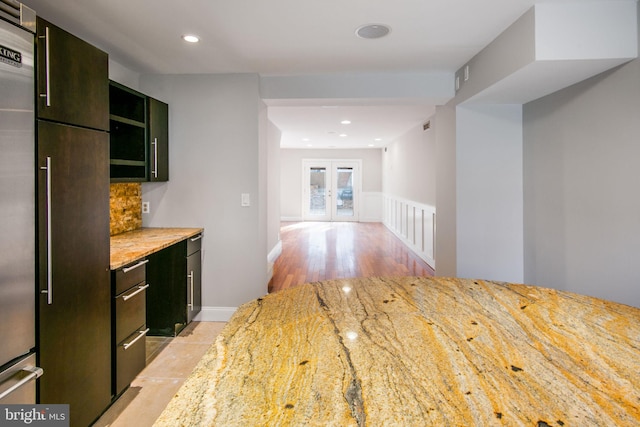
x=215, y=314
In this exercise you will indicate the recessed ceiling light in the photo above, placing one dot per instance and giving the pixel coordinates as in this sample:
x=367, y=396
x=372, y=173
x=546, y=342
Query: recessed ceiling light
x=378, y=139
x=343, y=135
x=372, y=145
x=191, y=38
x=372, y=31
x=346, y=122
x=305, y=139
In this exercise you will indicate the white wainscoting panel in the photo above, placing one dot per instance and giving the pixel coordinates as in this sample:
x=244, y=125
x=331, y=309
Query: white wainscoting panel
x=414, y=223
x=370, y=206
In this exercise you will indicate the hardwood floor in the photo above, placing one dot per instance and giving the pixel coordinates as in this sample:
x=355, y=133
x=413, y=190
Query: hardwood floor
x=315, y=251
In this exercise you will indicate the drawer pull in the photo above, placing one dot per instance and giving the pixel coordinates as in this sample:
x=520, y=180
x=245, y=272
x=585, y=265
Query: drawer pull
x=136, y=292
x=133, y=267
x=198, y=237
x=133, y=341
x=33, y=373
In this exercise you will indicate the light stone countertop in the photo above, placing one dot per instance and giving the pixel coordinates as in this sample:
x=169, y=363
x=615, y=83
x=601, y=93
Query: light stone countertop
x=415, y=351
x=132, y=245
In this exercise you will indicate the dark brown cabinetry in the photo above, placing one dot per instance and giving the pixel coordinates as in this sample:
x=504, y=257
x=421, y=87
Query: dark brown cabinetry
x=194, y=277
x=129, y=323
x=139, y=136
x=74, y=315
x=128, y=138
x=71, y=76
x=158, y=140
x=174, y=294
x=166, y=296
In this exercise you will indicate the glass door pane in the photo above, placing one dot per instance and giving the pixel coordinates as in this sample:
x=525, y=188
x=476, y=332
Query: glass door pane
x=317, y=191
x=344, y=192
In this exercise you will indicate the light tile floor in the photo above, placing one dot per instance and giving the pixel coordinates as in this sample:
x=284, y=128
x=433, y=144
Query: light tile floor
x=169, y=363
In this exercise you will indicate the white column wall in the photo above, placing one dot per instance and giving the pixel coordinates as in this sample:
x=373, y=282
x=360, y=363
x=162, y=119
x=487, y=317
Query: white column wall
x=489, y=192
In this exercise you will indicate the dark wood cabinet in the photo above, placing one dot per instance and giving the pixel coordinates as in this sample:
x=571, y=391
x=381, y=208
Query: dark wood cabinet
x=174, y=297
x=166, y=296
x=72, y=79
x=194, y=277
x=74, y=295
x=158, y=140
x=139, y=136
x=74, y=317
x=129, y=323
x=128, y=134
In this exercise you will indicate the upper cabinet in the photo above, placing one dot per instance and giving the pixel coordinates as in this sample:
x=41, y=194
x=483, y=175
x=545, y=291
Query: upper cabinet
x=159, y=140
x=139, y=136
x=72, y=79
x=128, y=134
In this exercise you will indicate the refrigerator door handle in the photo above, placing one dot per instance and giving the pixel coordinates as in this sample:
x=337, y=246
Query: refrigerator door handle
x=33, y=373
x=49, y=290
x=47, y=69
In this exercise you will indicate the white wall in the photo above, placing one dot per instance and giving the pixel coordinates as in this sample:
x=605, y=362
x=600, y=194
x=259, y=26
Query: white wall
x=489, y=192
x=409, y=166
x=291, y=176
x=123, y=75
x=273, y=193
x=446, y=235
x=582, y=187
x=216, y=152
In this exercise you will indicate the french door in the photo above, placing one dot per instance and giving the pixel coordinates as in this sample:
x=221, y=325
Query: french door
x=331, y=190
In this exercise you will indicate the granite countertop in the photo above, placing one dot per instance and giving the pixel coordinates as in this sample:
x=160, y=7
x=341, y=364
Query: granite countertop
x=133, y=245
x=418, y=351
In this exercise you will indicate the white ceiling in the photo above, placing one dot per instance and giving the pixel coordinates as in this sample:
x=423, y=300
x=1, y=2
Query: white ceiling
x=295, y=37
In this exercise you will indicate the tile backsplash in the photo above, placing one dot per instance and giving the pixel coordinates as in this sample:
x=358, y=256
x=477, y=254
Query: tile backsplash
x=125, y=207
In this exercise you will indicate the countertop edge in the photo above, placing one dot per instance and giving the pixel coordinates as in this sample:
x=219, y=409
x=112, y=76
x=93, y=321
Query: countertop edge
x=131, y=246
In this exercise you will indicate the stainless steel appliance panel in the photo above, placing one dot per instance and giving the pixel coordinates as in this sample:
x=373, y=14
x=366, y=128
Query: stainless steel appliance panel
x=17, y=193
x=18, y=382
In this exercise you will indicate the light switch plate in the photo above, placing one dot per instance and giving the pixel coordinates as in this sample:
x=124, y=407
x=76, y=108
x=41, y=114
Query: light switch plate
x=245, y=200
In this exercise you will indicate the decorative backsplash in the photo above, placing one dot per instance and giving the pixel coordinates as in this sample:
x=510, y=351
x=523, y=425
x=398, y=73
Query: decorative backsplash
x=125, y=207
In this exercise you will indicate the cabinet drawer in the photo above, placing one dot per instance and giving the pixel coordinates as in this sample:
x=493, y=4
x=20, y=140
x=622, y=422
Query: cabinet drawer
x=130, y=359
x=130, y=311
x=130, y=275
x=194, y=244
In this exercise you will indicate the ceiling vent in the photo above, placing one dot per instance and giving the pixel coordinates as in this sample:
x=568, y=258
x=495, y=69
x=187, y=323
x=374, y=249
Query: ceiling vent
x=372, y=31
x=426, y=126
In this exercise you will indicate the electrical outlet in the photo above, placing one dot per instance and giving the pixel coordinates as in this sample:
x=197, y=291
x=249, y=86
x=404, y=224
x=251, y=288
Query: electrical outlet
x=146, y=208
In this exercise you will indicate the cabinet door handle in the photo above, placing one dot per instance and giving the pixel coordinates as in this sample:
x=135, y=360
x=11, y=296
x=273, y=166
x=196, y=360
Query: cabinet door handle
x=49, y=290
x=47, y=69
x=34, y=372
x=136, y=292
x=190, y=277
x=154, y=171
x=198, y=237
x=133, y=267
x=133, y=341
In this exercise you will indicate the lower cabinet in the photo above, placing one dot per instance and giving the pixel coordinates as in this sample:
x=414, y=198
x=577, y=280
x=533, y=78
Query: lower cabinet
x=129, y=324
x=194, y=277
x=174, y=294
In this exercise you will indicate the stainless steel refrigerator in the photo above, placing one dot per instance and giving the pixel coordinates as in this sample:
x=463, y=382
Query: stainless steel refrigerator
x=18, y=371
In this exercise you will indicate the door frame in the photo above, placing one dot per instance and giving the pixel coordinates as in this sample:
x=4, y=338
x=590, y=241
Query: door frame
x=332, y=165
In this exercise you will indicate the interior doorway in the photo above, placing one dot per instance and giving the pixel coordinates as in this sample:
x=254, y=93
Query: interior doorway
x=331, y=190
